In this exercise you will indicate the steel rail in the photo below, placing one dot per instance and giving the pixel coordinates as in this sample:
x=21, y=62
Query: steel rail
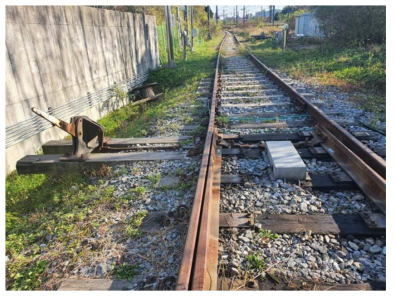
x=366, y=168
x=372, y=184
x=186, y=279
x=362, y=151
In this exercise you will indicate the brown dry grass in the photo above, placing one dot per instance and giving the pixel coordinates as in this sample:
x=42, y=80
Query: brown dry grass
x=258, y=29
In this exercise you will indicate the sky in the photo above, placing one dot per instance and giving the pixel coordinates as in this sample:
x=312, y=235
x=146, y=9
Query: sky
x=229, y=9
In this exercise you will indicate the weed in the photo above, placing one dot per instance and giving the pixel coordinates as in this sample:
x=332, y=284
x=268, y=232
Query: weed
x=29, y=277
x=188, y=120
x=185, y=186
x=125, y=271
x=178, y=171
x=121, y=170
x=117, y=92
x=154, y=179
x=255, y=262
x=102, y=172
x=138, y=192
x=108, y=191
x=222, y=120
x=186, y=142
x=199, y=131
x=355, y=68
x=268, y=234
x=133, y=224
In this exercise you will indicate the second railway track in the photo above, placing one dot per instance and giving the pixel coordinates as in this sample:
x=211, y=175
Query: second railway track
x=249, y=230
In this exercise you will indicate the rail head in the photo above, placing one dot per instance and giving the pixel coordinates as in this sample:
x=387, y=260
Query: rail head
x=187, y=262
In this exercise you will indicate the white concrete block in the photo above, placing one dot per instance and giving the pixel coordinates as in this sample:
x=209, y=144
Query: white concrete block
x=285, y=160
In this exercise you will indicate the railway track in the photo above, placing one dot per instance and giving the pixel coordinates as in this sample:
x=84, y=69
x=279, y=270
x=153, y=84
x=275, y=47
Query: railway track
x=252, y=230
x=327, y=229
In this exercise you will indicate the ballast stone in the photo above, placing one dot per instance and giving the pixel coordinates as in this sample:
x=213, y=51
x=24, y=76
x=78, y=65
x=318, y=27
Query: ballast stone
x=285, y=160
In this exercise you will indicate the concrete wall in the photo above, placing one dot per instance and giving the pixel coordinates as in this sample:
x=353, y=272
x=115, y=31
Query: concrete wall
x=55, y=54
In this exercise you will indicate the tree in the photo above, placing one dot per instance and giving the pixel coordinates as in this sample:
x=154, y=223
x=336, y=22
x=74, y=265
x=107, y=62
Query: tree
x=351, y=25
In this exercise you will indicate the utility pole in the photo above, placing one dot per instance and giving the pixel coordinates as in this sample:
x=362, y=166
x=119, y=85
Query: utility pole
x=234, y=13
x=179, y=24
x=216, y=14
x=192, y=49
x=170, y=52
x=208, y=21
x=270, y=14
x=244, y=15
x=237, y=15
x=224, y=15
x=186, y=18
x=261, y=14
x=185, y=13
x=273, y=13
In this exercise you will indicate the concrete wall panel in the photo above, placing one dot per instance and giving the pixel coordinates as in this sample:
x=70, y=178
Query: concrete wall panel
x=55, y=54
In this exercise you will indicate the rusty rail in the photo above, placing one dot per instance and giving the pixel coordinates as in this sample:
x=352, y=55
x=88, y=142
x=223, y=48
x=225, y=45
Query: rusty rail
x=366, y=168
x=362, y=151
x=188, y=277
x=200, y=259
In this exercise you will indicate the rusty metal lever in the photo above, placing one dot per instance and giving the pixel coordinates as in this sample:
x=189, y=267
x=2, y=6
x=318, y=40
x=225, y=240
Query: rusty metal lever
x=86, y=134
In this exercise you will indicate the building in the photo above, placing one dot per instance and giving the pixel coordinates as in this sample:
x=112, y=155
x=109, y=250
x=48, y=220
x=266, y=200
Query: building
x=307, y=25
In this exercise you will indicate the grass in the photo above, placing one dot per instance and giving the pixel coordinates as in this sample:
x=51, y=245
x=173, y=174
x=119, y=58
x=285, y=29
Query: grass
x=125, y=271
x=267, y=234
x=351, y=69
x=133, y=224
x=46, y=221
x=222, y=120
x=49, y=217
x=154, y=179
x=177, y=84
x=138, y=192
x=255, y=262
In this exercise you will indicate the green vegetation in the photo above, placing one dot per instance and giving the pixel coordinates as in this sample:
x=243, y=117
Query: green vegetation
x=255, y=262
x=154, y=178
x=362, y=68
x=352, y=57
x=198, y=131
x=352, y=25
x=28, y=277
x=351, y=69
x=186, y=186
x=118, y=92
x=46, y=222
x=138, y=192
x=289, y=13
x=133, y=224
x=267, y=234
x=178, y=171
x=186, y=142
x=222, y=120
x=177, y=83
x=125, y=271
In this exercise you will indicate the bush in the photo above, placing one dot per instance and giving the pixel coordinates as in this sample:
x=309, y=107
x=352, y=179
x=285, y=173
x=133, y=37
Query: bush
x=352, y=25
